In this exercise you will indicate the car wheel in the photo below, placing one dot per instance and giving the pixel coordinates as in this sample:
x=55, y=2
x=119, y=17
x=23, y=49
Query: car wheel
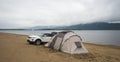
x=38, y=42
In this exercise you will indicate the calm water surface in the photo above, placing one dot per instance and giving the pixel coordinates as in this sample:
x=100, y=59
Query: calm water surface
x=109, y=37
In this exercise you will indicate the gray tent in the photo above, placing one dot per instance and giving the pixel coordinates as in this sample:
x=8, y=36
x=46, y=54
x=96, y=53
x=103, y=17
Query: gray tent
x=68, y=42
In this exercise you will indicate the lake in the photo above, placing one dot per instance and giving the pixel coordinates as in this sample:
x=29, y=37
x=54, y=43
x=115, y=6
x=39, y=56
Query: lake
x=106, y=37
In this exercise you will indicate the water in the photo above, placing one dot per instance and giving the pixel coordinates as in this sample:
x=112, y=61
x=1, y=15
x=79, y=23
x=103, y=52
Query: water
x=109, y=37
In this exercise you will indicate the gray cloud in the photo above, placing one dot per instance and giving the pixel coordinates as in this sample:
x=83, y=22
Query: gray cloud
x=27, y=13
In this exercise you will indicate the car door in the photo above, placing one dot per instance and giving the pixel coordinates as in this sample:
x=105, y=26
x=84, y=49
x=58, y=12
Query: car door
x=46, y=38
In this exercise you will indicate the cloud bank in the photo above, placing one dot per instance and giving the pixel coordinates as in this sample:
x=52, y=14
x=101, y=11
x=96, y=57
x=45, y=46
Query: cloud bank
x=28, y=13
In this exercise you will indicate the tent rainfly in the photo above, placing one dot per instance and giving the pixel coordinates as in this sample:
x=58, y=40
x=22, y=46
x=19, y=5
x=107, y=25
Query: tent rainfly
x=68, y=42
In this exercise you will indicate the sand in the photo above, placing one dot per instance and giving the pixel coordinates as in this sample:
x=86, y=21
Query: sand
x=14, y=48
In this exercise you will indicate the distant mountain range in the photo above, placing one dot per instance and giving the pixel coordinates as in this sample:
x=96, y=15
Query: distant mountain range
x=88, y=26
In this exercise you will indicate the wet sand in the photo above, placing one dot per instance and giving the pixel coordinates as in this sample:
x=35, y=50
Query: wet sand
x=14, y=48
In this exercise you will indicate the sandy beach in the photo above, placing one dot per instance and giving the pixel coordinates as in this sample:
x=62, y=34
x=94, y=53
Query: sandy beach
x=14, y=48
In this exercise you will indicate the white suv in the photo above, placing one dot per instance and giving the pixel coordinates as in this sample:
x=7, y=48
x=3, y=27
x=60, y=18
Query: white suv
x=35, y=39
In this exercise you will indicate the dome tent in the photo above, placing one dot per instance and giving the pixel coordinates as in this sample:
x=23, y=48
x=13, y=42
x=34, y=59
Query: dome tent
x=68, y=42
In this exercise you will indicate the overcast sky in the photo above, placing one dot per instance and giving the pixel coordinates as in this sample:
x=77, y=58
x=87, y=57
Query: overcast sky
x=28, y=13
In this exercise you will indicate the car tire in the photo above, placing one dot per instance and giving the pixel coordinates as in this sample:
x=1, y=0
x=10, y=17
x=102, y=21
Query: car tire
x=37, y=42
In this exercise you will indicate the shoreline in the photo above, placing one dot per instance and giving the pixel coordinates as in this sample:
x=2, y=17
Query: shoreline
x=83, y=42
x=14, y=48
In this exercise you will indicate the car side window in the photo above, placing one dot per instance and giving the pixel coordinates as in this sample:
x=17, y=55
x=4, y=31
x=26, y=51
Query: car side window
x=47, y=35
x=44, y=36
